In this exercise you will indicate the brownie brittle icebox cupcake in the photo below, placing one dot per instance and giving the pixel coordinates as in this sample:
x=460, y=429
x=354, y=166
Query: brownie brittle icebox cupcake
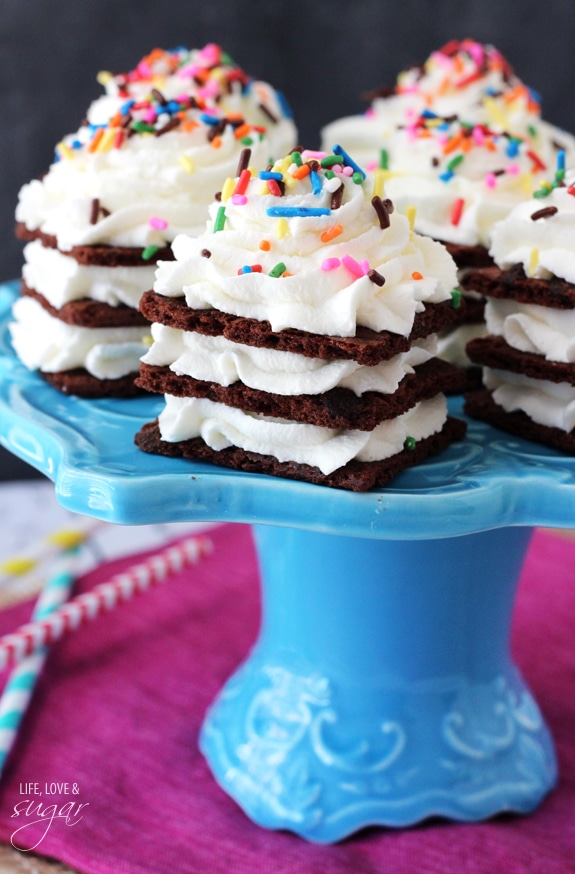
x=142, y=169
x=459, y=143
x=297, y=335
x=528, y=357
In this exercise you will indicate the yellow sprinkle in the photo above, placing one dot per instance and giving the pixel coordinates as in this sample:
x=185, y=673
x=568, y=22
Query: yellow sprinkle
x=526, y=183
x=282, y=228
x=187, y=163
x=264, y=190
x=282, y=166
x=378, y=182
x=107, y=140
x=410, y=213
x=17, y=566
x=66, y=538
x=147, y=340
x=289, y=180
x=103, y=77
x=495, y=112
x=228, y=188
x=65, y=151
x=533, y=262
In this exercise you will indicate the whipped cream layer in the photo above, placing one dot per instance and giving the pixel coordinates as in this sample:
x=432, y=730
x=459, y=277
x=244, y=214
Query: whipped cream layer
x=326, y=448
x=533, y=328
x=61, y=279
x=145, y=166
x=43, y=342
x=464, y=79
x=547, y=403
x=544, y=245
x=216, y=359
x=264, y=259
x=452, y=343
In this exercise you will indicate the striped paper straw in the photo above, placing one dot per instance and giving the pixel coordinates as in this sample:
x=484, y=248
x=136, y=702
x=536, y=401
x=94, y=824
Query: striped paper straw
x=22, y=681
x=102, y=598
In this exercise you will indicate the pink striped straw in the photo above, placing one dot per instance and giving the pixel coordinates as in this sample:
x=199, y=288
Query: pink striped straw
x=104, y=597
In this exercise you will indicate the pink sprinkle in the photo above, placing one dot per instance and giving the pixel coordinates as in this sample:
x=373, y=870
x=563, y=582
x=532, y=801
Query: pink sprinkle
x=210, y=89
x=442, y=139
x=369, y=113
x=410, y=114
x=352, y=265
x=308, y=155
x=347, y=171
x=364, y=264
x=239, y=199
x=478, y=136
x=210, y=53
x=337, y=168
x=371, y=166
x=490, y=180
x=150, y=116
x=144, y=70
x=330, y=264
x=513, y=169
x=158, y=223
x=189, y=71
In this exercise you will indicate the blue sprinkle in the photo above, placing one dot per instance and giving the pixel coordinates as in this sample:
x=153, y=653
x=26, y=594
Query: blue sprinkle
x=427, y=113
x=316, y=185
x=339, y=150
x=247, y=269
x=445, y=177
x=171, y=106
x=209, y=119
x=535, y=95
x=284, y=105
x=76, y=144
x=491, y=92
x=561, y=159
x=268, y=174
x=443, y=126
x=125, y=107
x=293, y=211
x=512, y=148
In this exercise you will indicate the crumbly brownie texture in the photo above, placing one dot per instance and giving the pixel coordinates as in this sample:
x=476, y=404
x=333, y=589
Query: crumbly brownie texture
x=101, y=256
x=468, y=256
x=338, y=408
x=495, y=352
x=480, y=405
x=88, y=313
x=367, y=347
x=82, y=384
x=515, y=285
x=355, y=476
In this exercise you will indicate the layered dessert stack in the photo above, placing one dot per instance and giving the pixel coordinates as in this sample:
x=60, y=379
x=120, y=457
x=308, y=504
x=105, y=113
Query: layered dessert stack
x=297, y=335
x=458, y=143
x=528, y=357
x=141, y=169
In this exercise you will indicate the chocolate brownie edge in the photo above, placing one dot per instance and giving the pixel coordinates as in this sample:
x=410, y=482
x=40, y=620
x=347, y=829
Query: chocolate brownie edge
x=355, y=476
x=480, y=405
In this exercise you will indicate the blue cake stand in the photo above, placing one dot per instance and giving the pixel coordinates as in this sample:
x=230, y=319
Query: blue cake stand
x=381, y=689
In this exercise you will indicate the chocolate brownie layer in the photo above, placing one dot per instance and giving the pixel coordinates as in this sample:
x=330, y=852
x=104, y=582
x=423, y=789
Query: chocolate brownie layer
x=513, y=284
x=367, y=347
x=82, y=384
x=468, y=256
x=480, y=405
x=88, y=313
x=101, y=256
x=356, y=476
x=495, y=352
x=338, y=408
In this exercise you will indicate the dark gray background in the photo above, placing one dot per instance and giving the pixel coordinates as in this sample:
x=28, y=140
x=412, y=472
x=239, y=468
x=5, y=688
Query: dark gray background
x=323, y=54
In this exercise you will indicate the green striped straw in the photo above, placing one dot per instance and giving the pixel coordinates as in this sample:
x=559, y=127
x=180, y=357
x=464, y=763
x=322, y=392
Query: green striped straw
x=22, y=681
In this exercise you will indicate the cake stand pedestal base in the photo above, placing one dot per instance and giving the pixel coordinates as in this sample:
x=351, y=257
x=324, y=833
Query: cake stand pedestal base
x=381, y=690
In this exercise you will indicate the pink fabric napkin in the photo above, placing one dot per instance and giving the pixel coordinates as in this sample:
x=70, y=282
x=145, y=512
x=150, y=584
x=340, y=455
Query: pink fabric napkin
x=119, y=707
